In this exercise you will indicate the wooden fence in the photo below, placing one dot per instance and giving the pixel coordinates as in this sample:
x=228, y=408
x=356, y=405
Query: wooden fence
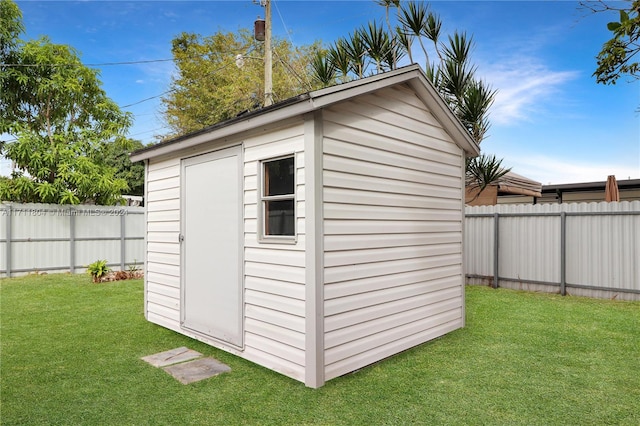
x=56, y=238
x=589, y=249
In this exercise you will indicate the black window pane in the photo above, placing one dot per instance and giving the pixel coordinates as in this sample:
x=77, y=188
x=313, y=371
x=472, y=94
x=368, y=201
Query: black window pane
x=280, y=218
x=279, y=177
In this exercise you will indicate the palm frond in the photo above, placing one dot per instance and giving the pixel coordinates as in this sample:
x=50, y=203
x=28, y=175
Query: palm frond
x=483, y=171
x=323, y=71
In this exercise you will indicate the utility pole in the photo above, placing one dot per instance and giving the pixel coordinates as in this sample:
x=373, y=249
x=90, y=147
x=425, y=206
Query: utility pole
x=268, y=76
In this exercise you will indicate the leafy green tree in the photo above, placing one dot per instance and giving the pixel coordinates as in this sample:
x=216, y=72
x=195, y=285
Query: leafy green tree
x=222, y=75
x=116, y=156
x=60, y=120
x=617, y=54
x=11, y=27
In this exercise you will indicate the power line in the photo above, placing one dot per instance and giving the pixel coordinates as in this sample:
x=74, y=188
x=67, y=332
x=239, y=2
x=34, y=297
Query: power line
x=149, y=131
x=79, y=64
x=101, y=64
x=173, y=90
x=292, y=44
x=147, y=99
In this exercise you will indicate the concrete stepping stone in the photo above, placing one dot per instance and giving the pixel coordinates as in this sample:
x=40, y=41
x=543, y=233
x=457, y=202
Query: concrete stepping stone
x=173, y=356
x=193, y=371
x=186, y=365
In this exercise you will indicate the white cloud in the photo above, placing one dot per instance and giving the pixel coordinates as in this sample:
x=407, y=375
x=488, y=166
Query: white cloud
x=524, y=87
x=550, y=170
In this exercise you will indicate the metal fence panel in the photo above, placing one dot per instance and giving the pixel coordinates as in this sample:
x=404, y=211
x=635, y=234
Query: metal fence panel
x=604, y=250
x=478, y=236
x=590, y=249
x=530, y=247
x=56, y=238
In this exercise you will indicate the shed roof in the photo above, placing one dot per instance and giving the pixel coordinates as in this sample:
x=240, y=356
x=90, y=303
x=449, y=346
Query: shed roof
x=311, y=101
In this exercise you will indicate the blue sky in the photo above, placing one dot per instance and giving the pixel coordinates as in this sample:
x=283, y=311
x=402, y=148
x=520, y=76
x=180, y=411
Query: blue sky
x=551, y=122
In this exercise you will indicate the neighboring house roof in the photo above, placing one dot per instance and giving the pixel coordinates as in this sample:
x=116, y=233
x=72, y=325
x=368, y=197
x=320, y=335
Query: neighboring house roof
x=411, y=75
x=589, y=186
x=628, y=190
x=512, y=183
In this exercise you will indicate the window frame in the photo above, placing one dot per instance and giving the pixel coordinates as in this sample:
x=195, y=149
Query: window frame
x=263, y=199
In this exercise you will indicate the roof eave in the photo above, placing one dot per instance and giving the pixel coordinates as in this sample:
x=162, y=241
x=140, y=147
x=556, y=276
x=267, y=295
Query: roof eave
x=298, y=106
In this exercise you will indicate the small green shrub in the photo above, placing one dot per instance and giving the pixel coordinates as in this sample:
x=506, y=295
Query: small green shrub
x=97, y=270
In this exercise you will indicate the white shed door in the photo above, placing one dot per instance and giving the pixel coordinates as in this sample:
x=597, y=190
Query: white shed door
x=211, y=250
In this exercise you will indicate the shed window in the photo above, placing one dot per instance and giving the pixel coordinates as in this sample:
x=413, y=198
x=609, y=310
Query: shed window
x=278, y=197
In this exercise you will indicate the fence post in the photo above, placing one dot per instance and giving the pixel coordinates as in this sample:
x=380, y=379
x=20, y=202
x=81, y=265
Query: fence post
x=496, y=248
x=8, y=240
x=72, y=241
x=563, y=253
x=122, y=243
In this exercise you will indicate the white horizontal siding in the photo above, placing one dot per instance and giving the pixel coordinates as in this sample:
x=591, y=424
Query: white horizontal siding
x=337, y=147
x=169, y=317
x=163, y=237
x=382, y=254
x=168, y=301
x=168, y=248
x=409, y=336
x=277, y=287
x=356, y=271
x=164, y=258
x=162, y=246
x=275, y=317
x=334, y=243
x=342, y=227
x=265, y=358
x=385, y=295
x=403, y=182
x=363, y=337
x=392, y=229
x=278, y=302
x=274, y=273
x=167, y=290
x=376, y=198
x=381, y=282
x=163, y=268
x=395, y=319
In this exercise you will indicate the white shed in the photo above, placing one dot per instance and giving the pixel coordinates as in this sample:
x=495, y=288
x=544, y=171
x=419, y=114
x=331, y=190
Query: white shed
x=314, y=236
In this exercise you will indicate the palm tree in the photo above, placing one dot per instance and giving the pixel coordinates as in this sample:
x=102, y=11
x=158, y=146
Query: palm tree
x=376, y=42
x=357, y=51
x=413, y=17
x=482, y=171
x=450, y=71
x=454, y=78
x=323, y=71
x=339, y=57
x=388, y=4
x=405, y=41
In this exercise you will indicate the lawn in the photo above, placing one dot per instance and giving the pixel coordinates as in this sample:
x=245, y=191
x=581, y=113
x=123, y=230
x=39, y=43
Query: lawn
x=71, y=355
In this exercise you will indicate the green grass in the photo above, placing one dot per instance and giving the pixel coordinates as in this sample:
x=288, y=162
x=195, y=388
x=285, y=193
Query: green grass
x=71, y=355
